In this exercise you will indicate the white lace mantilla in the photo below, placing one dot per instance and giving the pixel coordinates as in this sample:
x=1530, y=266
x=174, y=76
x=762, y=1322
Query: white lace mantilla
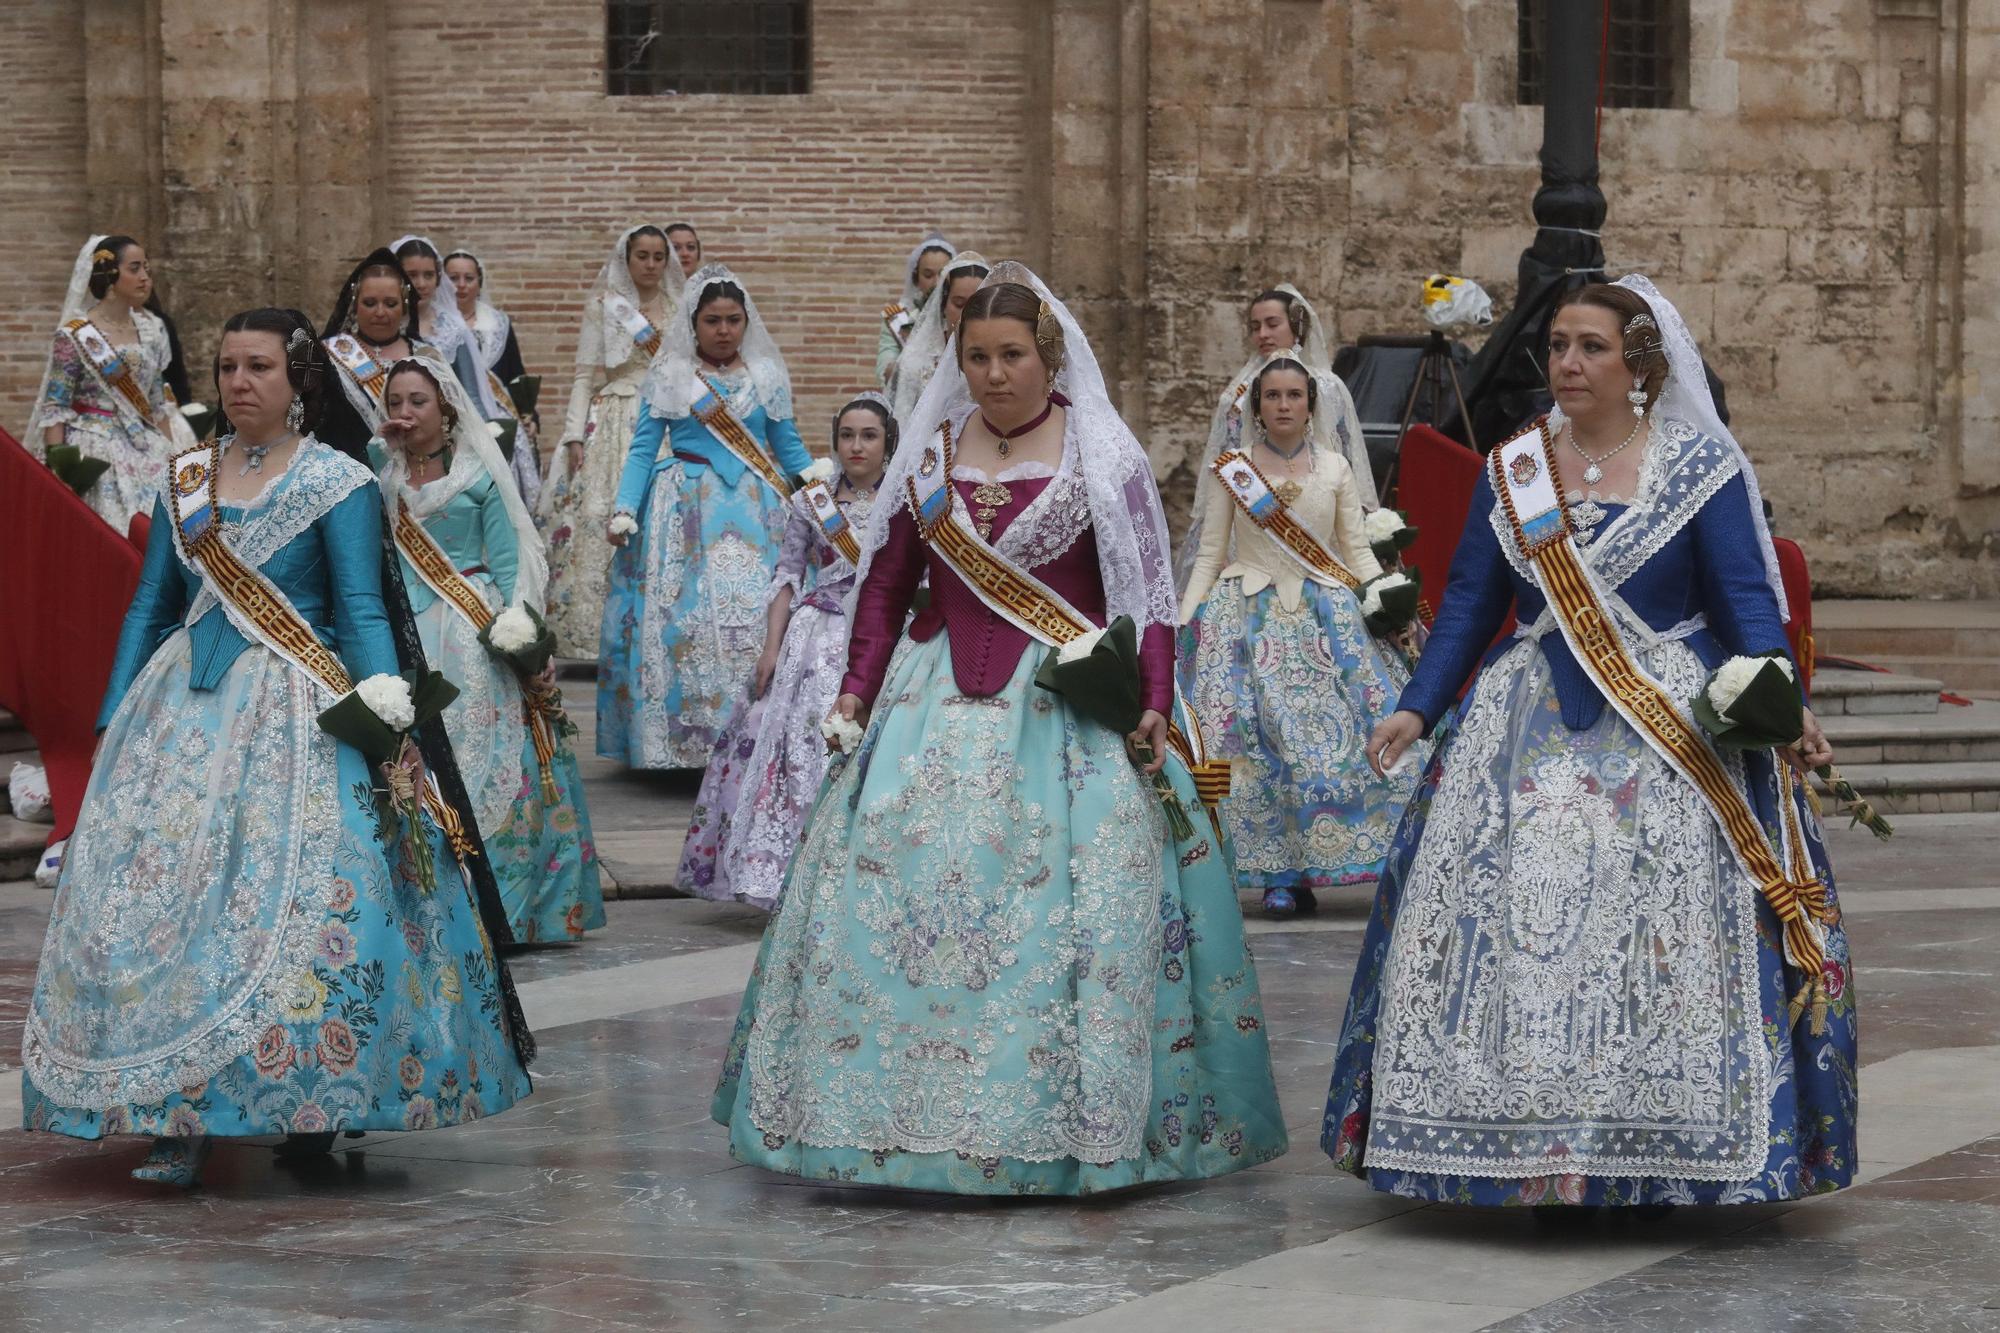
x=1047, y=525
x=318, y=478
x=1572, y=982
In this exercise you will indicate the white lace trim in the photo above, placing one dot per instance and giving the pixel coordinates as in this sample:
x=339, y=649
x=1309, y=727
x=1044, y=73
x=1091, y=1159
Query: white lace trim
x=319, y=478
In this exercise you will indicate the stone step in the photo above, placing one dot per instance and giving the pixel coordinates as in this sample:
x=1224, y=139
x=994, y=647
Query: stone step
x=20, y=847
x=1950, y=734
x=13, y=736
x=1958, y=673
x=1875, y=631
x=1964, y=786
x=1872, y=693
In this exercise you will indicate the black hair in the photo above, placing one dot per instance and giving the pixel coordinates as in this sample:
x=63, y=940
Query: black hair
x=417, y=246
x=648, y=230
x=1010, y=300
x=944, y=250
x=1295, y=313
x=890, y=431
x=687, y=227
x=380, y=263
x=305, y=361
x=979, y=271
x=1281, y=363
x=104, y=262
x=720, y=290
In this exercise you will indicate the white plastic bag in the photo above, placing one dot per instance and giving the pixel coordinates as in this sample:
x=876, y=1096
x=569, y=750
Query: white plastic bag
x=28, y=793
x=49, y=868
x=1451, y=303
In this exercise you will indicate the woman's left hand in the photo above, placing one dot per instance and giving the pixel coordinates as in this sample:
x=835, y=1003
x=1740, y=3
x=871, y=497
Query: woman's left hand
x=544, y=680
x=1152, y=733
x=1813, y=750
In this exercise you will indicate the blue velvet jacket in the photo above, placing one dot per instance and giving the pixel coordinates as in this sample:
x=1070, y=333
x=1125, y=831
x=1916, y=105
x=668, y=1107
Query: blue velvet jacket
x=332, y=572
x=1712, y=566
x=473, y=530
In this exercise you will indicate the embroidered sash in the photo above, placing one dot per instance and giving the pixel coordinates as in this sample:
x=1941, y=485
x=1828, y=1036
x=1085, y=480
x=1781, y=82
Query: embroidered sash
x=1024, y=601
x=899, y=320
x=833, y=524
x=711, y=409
x=358, y=365
x=437, y=571
x=1524, y=479
x=110, y=370
x=1251, y=490
x=640, y=329
x=253, y=603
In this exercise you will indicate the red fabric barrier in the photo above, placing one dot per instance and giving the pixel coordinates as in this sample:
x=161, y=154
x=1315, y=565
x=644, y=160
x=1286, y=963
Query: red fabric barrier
x=1434, y=485
x=1798, y=595
x=65, y=581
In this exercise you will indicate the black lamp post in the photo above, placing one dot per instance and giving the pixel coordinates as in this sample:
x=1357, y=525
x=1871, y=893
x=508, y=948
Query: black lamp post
x=1506, y=382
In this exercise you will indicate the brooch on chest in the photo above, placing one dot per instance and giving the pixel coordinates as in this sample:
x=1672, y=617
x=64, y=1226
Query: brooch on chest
x=1287, y=491
x=991, y=497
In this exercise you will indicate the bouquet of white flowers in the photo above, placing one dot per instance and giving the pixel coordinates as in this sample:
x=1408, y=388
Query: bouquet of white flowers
x=1389, y=602
x=520, y=635
x=1389, y=533
x=820, y=469
x=842, y=732
x=376, y=717
x=624, y=524
x=1097, y=674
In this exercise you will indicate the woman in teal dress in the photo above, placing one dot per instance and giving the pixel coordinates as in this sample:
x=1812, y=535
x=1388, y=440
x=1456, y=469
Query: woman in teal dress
x=439, y=461
x=993, y=969
x=700, y=516
x=232, y=951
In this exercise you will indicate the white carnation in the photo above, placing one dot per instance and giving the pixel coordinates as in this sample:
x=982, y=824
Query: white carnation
x=845, y=733
x=1381, y=526
x=494, y=429
x=1733, y=677
x=1371, y=599
x=388, y=697
x=820, y=469
x=624, y=524
x=1080, y=647
x=193, y=409
x=513, y=630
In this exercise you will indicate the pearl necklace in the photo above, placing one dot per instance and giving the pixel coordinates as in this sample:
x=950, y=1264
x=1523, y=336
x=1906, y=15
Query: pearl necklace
x=253, y=454
x=1594, y=473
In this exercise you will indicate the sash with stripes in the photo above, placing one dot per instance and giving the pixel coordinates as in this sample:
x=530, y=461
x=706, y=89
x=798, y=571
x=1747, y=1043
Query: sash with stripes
x=253, y=603
x=899, y=320
x=1524, y=478
x=711, y=409
x=356, y=363
x=832, y=523
x=1251, y=490
x=640, y=329
x=1024, y=601
x=437, y=571
x=110, y=370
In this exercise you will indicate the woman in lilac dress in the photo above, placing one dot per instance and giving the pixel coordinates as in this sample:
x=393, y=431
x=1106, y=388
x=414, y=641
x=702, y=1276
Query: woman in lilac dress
x=769, y=760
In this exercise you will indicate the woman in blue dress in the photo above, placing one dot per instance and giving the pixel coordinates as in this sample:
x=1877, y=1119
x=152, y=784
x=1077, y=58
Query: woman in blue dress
x=480, y=555
x=700, y=514
x=232, y=951
x=1572, y=991
x=994, y=970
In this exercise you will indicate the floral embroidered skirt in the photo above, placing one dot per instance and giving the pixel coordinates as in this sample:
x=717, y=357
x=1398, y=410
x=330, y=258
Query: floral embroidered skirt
x=1569, y=993
x=543, y=858
x=572, y=513
x=992, y=971
x=231, y=952
x=131, y=484
x=767, y=766
x=1289, y=697
x=684, y=619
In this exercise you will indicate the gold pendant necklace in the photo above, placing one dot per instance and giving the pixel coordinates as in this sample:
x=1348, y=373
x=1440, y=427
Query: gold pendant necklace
x=991, y=497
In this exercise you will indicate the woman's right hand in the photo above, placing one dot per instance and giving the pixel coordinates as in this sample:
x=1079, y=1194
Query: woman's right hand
x=573, y=455
x=1392, y=738
x=760, y=677
x=393, y=431
x=850, y=707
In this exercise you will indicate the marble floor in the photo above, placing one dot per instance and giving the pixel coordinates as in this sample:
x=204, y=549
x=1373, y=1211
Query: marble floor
x=608, y=1201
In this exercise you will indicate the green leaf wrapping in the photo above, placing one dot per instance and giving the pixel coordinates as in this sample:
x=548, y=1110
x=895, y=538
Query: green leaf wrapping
x=72, y=469
x=526, y=391
x=1770, y=713
x=1103, y=686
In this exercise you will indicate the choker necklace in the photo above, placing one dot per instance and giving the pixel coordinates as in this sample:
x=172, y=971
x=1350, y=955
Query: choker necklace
x=717, y=365
x=439, y=452
x=1595, y=472
x=253, y=454
x=1296, y=450
x=375, y=345
x=1005, y=436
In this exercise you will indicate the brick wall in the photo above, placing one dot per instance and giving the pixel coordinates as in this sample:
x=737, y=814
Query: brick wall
x=43, y=209
x=501, y=139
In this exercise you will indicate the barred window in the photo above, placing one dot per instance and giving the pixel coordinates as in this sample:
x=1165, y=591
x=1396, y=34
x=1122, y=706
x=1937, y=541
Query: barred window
x=707, y=46
x=1645, y=56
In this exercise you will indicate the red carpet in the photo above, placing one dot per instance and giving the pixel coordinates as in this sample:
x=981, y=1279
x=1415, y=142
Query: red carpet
x=65, y=581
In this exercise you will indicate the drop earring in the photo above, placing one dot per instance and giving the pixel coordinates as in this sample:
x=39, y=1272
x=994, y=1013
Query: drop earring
x=1637, y=396
x=295, y=416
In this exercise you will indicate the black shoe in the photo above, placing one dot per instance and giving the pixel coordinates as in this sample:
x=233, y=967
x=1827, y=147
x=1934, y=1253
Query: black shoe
x=305, y=1145
x=1308, y=904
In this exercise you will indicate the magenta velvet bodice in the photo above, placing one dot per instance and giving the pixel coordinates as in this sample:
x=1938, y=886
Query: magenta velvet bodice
x=985, y=649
